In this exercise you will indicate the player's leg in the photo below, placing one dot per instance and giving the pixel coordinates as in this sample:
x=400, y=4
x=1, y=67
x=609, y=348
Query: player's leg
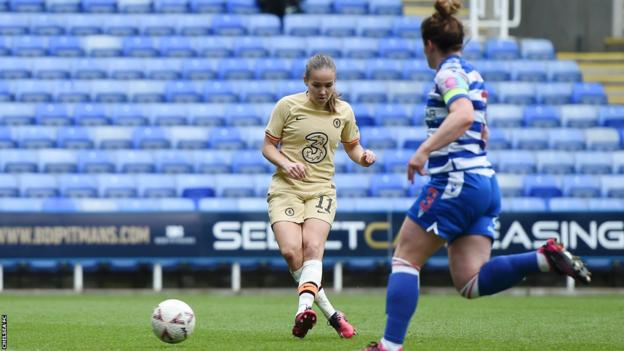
x=289, y=238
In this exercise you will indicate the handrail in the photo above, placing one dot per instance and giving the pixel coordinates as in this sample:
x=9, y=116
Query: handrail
x=478, y=10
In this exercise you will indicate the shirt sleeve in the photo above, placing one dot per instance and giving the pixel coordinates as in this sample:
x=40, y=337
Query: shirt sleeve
x=276, y=122
x=452, y=85
x=350, y=133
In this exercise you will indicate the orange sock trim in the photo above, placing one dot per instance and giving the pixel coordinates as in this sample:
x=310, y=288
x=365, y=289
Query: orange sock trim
x=308, y=287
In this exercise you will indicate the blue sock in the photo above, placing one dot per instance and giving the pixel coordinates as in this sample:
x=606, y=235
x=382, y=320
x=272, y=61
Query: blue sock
x=503, y=272
x=401, y=301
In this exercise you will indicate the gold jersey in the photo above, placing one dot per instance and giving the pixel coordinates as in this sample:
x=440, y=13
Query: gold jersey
x=309, y=135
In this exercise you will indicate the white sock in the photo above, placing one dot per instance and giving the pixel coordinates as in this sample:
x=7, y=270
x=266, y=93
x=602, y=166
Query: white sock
x=542, y=262
x=309, y=282
x=321, y=299
x=390, y=346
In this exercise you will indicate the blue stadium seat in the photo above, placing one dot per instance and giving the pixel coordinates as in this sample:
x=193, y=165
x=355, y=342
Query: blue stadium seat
x=176, y=46
x=287, y=47
x=156, y=186
x=338, y=26
x=530, y=139
x=564, y=71
x=375, y=26
x=352, y=185
x=171, y=6
x=96, y=161
x=593, y=162
x=113, y=137
x=225, y=138
x=392, y=115
x=566, y=139
x=589, y=93
x=250, y=162
x=27, y=5
x=173, y=162
x=72, y=91
x=199, y=69
x=134, y=6
x=351, y=7
x=501, y=49
x=9, y=186
x=261, y=184
x=264, y=25
x=78, y=186
x=258, y=91
x=618, y=162
x=207, y=115
x=63, y=6
x=377, y=138
x=384, y=69
x=35, y=137
x=38, y=185
x=208, y=6
x=251, y=47
x=12, y=24
x=288, y=87
x=273, y=69
x=123, y=26
x=99, y=6
x=317, y=6
x=243, y=115
x=615, y=205
x=517, y=162
x=385, y=7
x=519, y=93
x=242, y=7
x=388, y=185
x=302, y=25
x=350, y=69
x=11, y=68
x=395, y=161
x=407, y=27
x=473, y=51
x=236, y=69
x=127, y=115
x=20, y=161
x=139, y=47
x=494, y=70
x=555, y=162
x=34, y=91
x=360, y=48
x=17, y=114
x=602, y=139
x=528, y=71
x=524, y=204
x=541, y=116
x=53, y=115
x=52, y=68
x=219, y=92
x=117, y=185
x=111, y=91
x=58, y=161
x=150, y=138
x=398, y=48
x=183, y=92
x=563, y=204
x=612, y=186
x=411, y=138
x=414, y=189
x=511, y=185
x=87, y=68
x=581, y=186
x=212, y=162
x=554, y=93
x=544, y=186
x=537, y=49
x=103, y=46
x=6, y=138
x=364, y=114
x=214, y=47
x=234, y=185
x=327, y=45
x=65, y=46
x=21, y=205
x=611, y=116
x=368, y=92
x=228, y=25
x=168, y=114
x=579, y=116
x=417, y=70
x=499, y=139
x=134, y=161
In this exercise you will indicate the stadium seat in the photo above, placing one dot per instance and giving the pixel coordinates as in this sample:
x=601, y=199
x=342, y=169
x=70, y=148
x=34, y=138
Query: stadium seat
x=27, y=5
x=9, y=186
x=350, y=7
x=338, y=26
x=19, y=161
x=618, y=161
x=589, y=93
x=17, y=114
x=214, y=47
x=150, y=138
x=417, y=70
x=219, y=92
x=11, y=68
x=537, y=49
x=168, y=115
x=611, y=116
x=183, y=92
x=407, y=27
x=188, y=138
x=530, y=139
x=302, y=25
x=593, y=162
x=541, y=116
x=208, y=6
x=29, y=46
x=511, y=185
x=579, y=116
x=612, y=186
x=251, y=47
x=581, y=186
x=331, y=46
x=555, y=162
x=52, y=115
x=163, y=69
x=242, y=7
x=392, y=115
x=212, y=162
x=199, y=69
x=135, y=161
x=384, y=69
x=6, y=139
x=48, y=68
x=126, y=115
x=78, y=186
x=139, y=47
x=385, y=7
x=564, y=71
x=156, y=186
x=518, y=93
x=494, y=70
x=13, y=24
x=175, y=46
x=473, y=51
x=602, y=139
x=388, y=185
x=170, y=6
x=399, y=48
x=250, y=162
x=352, y=185
x=543, y=186
x=113, y=137
x=32, y=91
x=367, y=92
x=273, y=69
x=257, y=91
x=601, y=204
x=532, y=71
x=58, y=161
x=555, y=93
x=261, y=184
x=30, y=137
x=225, y=138
x=264, y=25
x=96, y=161
x=241, y=115
x=517, y=162
x=350, y=69
x=375, y=26
x=134, y=6
x=564, y=204
x=523, y=204
x=65, y=46
x=236, y=69
x=117, y=186
x=566, y=139
x=377, y=138
x=38, y=185
x=21, y=205
x=234, y=185
x=173, y=162
x=499, y=139
x=395, y=161
x=501, y=49
x=361, y=48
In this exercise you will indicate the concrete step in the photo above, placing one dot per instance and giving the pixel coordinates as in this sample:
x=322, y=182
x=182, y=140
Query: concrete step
x=605, y=79
x=592, y=57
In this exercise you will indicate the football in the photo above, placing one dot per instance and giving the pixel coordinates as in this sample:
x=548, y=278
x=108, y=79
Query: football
x=173, y=321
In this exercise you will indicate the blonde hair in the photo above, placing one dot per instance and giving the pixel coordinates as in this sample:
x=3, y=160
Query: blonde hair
x=443, y=28
x=320, y=61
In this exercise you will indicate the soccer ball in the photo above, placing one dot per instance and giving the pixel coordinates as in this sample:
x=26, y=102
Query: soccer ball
x=173, y=321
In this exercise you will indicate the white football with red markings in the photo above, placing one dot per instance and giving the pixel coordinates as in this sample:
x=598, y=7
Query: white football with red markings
x=173, y=321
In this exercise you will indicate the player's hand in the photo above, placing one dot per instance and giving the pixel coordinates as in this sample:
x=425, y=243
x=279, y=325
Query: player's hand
x=416, y=164
x=368, y=158
x=295, y=170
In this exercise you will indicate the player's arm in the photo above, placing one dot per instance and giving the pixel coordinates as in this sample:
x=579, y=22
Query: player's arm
x=360, y=156
x=270, y=152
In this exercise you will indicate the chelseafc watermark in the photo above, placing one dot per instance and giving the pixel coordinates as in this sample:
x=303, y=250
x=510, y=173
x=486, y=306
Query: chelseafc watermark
x=4, y=332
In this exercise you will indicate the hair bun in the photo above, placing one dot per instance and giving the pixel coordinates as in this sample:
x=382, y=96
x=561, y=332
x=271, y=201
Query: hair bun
x=447, y=8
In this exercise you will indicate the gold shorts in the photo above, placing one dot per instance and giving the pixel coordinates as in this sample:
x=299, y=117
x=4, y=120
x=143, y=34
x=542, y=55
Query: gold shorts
x=299, y=206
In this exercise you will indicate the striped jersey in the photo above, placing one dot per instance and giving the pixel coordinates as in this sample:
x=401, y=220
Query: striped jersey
x=456, y=79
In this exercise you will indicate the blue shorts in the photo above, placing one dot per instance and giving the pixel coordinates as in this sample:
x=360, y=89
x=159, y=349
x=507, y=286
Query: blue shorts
x=458, y=203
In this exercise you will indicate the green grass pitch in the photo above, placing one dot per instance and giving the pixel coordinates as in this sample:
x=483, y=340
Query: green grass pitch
x=262, y=322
